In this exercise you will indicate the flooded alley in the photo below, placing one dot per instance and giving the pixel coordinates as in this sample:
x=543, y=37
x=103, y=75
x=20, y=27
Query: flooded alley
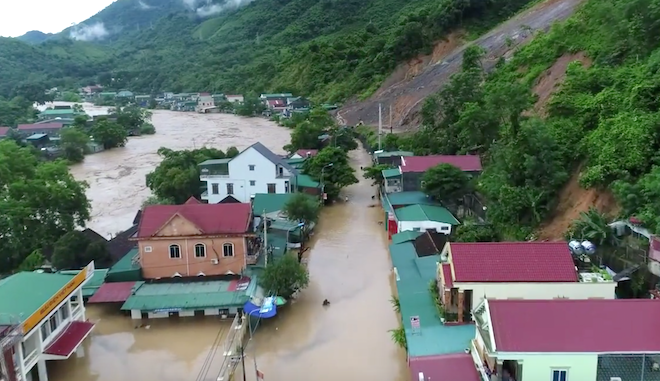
x=117, y=177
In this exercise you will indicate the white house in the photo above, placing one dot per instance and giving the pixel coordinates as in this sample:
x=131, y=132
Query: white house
x=568, y=340
x=255, y=170
x=424, y=217
x=235, y=98
x=204, y=103
x=47, y=324
x=513, y=270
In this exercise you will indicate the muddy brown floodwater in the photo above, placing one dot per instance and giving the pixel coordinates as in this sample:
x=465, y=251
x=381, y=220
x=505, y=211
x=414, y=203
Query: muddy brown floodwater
x=349, y=265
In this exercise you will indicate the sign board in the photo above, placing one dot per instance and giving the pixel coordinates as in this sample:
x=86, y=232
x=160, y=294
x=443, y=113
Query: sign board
x=57, y=298
x=260, y=376
x=414, y=322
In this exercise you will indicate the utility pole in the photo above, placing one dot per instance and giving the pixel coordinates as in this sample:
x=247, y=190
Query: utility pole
x=265, y=222
x=391, y=120
x=243, y=359
x=380, y=124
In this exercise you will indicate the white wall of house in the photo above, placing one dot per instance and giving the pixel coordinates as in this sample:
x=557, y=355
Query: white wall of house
x=539, y=291
x=28, y=353
x=424, y=225
x=249, y=174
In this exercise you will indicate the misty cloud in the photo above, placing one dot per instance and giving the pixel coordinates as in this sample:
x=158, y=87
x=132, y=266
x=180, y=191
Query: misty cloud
x=92, y=32
x=144, y=5
x=205, y=8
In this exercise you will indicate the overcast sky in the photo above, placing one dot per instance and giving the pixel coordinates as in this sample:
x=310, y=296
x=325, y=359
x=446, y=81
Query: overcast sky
x=48, y=16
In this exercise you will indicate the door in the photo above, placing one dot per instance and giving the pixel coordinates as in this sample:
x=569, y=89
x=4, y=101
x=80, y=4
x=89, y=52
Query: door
x=271, y=188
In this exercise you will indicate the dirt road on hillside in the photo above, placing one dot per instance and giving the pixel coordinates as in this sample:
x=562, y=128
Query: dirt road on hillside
x=406, y=96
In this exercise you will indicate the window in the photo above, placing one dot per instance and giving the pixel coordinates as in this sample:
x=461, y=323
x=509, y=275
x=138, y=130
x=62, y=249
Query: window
x=286, y=187
x=559, y=375
x=251, y=166
x=271, y=188
x=252, y=183
x=200, y=250
x=175, y=251
x=44, y=331
x=64, y=312
x=228, y=250
x=444, y=228
x=53, y=323
x=416, y=229
x=147, y=249
x=215, y=188
x=230, y=188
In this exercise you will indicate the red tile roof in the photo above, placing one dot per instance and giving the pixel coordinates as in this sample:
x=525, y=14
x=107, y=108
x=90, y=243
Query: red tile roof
x=467, y=163
x=4, y=131
x=303, y=152
x=114, y=292
x=512, y=262
x=446, y=275
x=591, y=325
x=209, y=218
x=42, y=126
x=453, y=367
x=193, y=200
x=68, y=341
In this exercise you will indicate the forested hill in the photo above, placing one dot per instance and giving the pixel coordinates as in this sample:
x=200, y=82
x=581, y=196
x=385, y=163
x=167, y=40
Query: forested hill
x=326, y=49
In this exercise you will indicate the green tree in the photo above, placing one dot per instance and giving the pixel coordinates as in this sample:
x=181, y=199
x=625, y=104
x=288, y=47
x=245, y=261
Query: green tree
x=375, y=173
x=305, y=135
x=284, y=277
x=177, y=177
x=32, y=261
x=251, y=106
x=594, y=226
x=147, y=129
x=155, y=200
x=75, y=250
x=80, y=122
x=303, y=208
x=446, y=183
x=39, y=202
x=109, y=134
x=232, y=152
x=331, y=167
x=73, y=143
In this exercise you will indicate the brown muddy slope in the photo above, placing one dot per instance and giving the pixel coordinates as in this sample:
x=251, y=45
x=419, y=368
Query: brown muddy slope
x=406, y=96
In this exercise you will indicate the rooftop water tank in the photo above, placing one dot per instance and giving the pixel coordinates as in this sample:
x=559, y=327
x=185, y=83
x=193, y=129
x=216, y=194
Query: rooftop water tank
x=575, y=247
x=589, y=247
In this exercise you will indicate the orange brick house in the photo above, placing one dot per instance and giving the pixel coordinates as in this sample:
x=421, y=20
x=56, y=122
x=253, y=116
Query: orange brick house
x=196, y=239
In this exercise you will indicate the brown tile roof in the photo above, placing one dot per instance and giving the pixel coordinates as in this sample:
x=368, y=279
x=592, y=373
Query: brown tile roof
x=446, y=276
x=192, y=200
x=303, y=152
x=42, y=126
x=451, y=367
x=4, y=131
x=512, y=262
x=209, y=218
x=588, y=325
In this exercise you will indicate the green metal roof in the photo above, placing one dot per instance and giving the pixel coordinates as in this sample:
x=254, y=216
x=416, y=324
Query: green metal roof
x=406, y=236
x=215, y=161
x=125, y=270
x=280, y=95
x=108, y=94
x=392, y=172
x=414, y=276
x=393, y=153
x=36, y=136
x=58, y=112
x=271, y=202
x=93, y=284
x=306, y=182
x=298, y=160
x=409, y=198
x=187, y=296
x=426, y=213
x=22, y=294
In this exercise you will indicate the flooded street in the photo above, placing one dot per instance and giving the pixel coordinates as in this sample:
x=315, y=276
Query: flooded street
x=349, y=265
x=117, y=177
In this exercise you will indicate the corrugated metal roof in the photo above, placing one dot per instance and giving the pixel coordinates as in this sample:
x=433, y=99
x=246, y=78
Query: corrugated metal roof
x=409, y=198
x=270, y=202
x=467, y=163
x=453, y=367
x=272, y=157
x=426, y=213
x=22, y=294
x=392, y=172
x=126, y=269
x=393, y=153
x=306, y=182
x=209, y=218
x=187, y=296
x=93, y=283
x=113, y=292
x=405, y=236
x=215, y=161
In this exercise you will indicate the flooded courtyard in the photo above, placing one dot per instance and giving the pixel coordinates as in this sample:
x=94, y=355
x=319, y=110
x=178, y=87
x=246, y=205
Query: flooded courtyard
x=349, y=265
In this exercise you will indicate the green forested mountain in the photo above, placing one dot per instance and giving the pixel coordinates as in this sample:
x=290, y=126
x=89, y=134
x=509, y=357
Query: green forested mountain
x=327, y=49
x=35, y=37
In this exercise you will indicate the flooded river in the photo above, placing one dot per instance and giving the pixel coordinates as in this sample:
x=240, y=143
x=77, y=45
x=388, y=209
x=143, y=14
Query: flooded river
x=349, y=265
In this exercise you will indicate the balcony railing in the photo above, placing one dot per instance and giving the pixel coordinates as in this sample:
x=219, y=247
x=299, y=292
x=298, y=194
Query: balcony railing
x=478, y=362
x=211, y=175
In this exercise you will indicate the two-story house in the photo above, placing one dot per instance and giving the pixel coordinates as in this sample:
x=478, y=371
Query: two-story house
x=255, y=170
x=422, y=217
x=513, y=270
x=413, y=167
x=205, y=103
x=567, y=340
x=195, y=239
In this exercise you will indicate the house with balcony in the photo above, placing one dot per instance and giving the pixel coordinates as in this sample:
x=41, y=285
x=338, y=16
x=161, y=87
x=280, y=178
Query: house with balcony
x=471, y=272
x=255, y=170
x=567, y=340
x=413, y=167
x=195, y=239
x=421, y=217
x=42, y=318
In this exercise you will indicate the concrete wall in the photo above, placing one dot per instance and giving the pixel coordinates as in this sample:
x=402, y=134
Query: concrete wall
x=580, y=367
x=424, y=225
x=542, y=291
x=240, y=176
x=157, y=263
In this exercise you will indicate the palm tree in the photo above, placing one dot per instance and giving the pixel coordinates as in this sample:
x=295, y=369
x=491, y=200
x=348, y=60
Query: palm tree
x=593, y=226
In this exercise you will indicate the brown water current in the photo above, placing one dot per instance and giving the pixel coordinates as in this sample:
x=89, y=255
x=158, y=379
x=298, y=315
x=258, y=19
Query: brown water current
x=349, y=265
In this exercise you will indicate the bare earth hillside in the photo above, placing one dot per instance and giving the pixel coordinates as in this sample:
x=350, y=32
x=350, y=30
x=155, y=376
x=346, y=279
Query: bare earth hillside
x=409, y=85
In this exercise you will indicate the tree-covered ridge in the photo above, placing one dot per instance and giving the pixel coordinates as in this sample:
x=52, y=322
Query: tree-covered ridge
x=328, y=50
